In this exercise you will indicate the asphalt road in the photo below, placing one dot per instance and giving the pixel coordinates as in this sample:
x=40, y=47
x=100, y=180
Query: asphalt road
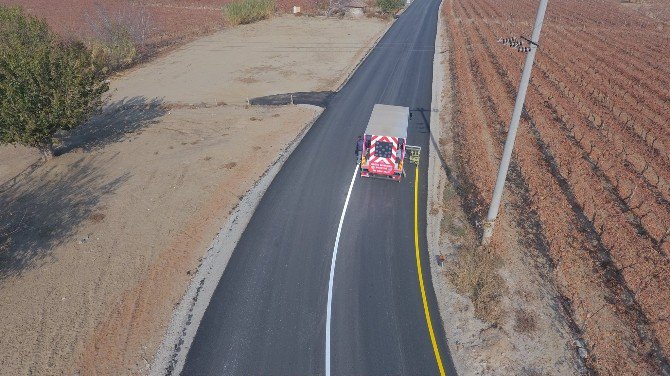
x=268, y=313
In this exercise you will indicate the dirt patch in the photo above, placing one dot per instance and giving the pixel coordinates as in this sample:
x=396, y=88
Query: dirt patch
x=97, y=217
x=524, y=321
x=657, y=10
x=98, y=246
x=216, y=68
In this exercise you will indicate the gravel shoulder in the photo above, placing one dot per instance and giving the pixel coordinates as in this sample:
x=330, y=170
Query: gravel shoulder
x=99, y=245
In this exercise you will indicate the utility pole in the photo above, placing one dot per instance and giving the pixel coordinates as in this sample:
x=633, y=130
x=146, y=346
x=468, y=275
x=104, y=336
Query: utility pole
x=514, y=125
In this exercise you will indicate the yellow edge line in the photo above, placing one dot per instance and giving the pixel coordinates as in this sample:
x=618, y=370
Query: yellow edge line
x=436, y=350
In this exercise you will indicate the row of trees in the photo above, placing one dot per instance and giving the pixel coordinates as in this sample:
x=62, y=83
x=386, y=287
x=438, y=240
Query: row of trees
x=47, y=84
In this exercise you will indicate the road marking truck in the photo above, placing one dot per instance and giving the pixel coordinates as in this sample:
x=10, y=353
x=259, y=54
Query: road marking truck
x=385, y=140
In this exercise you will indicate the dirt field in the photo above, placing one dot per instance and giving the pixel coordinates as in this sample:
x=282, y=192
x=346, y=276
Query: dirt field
x=98, y=245
x=590, y=182
x=499, y=313
x=165, y=22
x=261, y=65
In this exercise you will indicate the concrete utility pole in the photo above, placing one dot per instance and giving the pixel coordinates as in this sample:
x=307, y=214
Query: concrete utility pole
x=514, y=125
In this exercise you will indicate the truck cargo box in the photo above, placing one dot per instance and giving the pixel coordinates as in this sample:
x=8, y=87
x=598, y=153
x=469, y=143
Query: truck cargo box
x=388, y=120
x=385, y=138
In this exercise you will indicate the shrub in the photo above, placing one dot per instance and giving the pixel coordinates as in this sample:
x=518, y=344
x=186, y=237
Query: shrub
x=248, y=11
x=46, y=85
x=118, y=35
x=390, y=6
x=114, y=53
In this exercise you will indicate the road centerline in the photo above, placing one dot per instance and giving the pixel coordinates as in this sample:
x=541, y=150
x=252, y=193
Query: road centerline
x=332, y=271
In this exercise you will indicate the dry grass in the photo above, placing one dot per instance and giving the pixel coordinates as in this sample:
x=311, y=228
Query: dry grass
x=475, y=275
x=451, y=222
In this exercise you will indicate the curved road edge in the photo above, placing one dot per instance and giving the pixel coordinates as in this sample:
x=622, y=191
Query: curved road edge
x=186, y=317
x=173, y=349
x=436, y=174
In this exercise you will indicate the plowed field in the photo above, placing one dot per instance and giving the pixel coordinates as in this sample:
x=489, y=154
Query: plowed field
x=593, y=151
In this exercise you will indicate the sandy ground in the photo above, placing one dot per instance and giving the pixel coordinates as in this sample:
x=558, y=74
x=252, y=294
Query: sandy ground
x=98, y=245
x=262, y=63
x=532, y=338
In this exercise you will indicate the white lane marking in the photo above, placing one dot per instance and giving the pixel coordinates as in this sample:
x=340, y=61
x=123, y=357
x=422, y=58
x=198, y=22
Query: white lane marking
x=332, y=272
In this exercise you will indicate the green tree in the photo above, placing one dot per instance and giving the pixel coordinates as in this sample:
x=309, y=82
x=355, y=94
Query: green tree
x=390, y=6
x=47, y=84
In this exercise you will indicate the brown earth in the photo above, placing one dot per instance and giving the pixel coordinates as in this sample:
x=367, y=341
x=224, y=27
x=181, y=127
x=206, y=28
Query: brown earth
x=499, y=309
x=98, y=245
x=588, y=186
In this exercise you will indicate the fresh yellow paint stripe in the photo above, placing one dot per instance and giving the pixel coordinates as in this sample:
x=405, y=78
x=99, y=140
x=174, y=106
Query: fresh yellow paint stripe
x=436, y=350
